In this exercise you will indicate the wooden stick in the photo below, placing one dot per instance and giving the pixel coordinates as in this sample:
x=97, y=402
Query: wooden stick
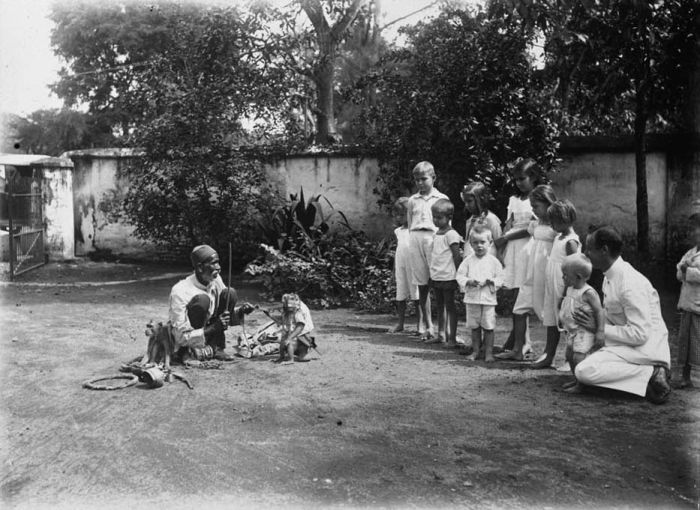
x=228, y=290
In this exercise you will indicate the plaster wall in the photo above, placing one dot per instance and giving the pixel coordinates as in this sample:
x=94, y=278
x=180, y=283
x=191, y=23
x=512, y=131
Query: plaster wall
x=98, y=190
x=602, y=186
x=347, y=183
x=57, y=194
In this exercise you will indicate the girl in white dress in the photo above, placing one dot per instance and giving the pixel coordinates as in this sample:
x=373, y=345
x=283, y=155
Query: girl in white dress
x=477, y=197
x=532, y=292
x=512, y=244
x=562, y=215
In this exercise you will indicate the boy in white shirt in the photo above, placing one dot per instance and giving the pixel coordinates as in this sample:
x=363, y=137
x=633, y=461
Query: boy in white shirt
x=422, y=229
x=444, y=260
x=479, y=276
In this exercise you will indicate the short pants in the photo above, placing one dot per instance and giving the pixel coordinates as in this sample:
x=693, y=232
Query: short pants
x=481, y=316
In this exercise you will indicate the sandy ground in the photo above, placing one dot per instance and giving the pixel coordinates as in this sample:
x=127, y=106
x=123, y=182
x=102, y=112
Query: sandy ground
x=378, y=421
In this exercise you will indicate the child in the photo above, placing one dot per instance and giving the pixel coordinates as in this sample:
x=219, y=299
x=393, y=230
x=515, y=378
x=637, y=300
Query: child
x=531, y=295
x=421, y=230
x=444, y=260
x=688, y=273
x=479, y=275
x=296, y=328
x=405, y=289
x=512, y=245
x=476, y=197
x=580, y=296
x=562, y=215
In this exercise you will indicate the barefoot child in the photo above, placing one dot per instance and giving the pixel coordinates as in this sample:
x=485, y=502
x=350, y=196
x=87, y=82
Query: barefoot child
x=422, y=229
x=688, y=273
x=580, y=296
x=479, y=275
x=296, y=328
x=532, y=292
x=444, y=260
x=562, y=215
x=512, y=245
x=405, y=289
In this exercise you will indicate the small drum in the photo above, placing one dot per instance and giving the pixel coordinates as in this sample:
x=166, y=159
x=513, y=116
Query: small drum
x=202, y=353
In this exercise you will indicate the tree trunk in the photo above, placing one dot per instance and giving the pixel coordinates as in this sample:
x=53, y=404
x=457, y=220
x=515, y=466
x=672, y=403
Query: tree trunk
x=325, y=117
x=640, y=161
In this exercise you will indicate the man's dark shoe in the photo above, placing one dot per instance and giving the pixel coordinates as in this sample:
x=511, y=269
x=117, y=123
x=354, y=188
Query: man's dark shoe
x=222, y=355
x=659, y=387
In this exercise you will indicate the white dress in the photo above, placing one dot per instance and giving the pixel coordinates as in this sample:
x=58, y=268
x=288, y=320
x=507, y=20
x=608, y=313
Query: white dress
x=514, y=256
x=554, y=283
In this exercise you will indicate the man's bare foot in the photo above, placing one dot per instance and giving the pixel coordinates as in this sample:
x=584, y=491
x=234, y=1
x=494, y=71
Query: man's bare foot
x=287, y=362
x=471, y=357
x=396, y=329
x=489, y=359
x=575, y=389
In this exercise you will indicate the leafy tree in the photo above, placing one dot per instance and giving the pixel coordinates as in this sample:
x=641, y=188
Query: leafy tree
x=618, y=67
x=53, y=132
x=462, y=94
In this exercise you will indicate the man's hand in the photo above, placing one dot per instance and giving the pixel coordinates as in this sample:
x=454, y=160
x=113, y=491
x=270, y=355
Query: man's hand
x=225, y=320
x=585, y=320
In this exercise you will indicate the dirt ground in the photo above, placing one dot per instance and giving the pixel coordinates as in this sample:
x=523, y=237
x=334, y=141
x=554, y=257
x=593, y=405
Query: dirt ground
x=377, y=421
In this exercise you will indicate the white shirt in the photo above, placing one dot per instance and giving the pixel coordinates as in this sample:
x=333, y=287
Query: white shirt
x=180, y=295
x=689, y=300
x=418, y=212
x=635, y=329
x=442, y=262
x=401, y=259
x=483, y=268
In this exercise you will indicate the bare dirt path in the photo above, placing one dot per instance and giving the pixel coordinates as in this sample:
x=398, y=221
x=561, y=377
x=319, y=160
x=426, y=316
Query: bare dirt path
x=378, y=421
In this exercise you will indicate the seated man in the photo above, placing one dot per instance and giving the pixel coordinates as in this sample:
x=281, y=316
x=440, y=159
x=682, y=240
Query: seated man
x=198, y=306
x=636, y=356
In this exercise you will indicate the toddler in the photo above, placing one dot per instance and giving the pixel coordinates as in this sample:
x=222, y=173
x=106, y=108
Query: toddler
x=580, y=296
x=405, y=289
x=479, y=275
x=476, y=197
x=444, y=260
x=421, y=230
x=688, y=273
x=296, y=328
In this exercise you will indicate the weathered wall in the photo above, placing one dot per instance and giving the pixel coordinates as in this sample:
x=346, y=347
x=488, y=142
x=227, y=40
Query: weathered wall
x=347, y=182
x=598, y=175
x=98, y=190
x=57, y=194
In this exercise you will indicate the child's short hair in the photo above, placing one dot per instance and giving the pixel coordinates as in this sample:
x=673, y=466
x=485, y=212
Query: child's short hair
x=531, y=168
x=443, y=207
x=401, y=204
x=480, y=192
x=579, y=263
x=478, y=230
x=543, y=193
x=563, y=211
x=424, y=167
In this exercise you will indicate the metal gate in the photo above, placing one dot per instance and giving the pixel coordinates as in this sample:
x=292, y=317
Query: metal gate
x=23, y=218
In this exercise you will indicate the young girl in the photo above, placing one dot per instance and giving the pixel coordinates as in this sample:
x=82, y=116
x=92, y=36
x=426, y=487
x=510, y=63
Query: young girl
x=512, y=245
x=476, y=197
x=531, y=295
x=405, y=289
x=688, y=273
x=444, y=261
x=562, y=215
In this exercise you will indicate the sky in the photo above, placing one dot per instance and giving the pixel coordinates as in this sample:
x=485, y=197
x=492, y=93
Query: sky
x=28, y=65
